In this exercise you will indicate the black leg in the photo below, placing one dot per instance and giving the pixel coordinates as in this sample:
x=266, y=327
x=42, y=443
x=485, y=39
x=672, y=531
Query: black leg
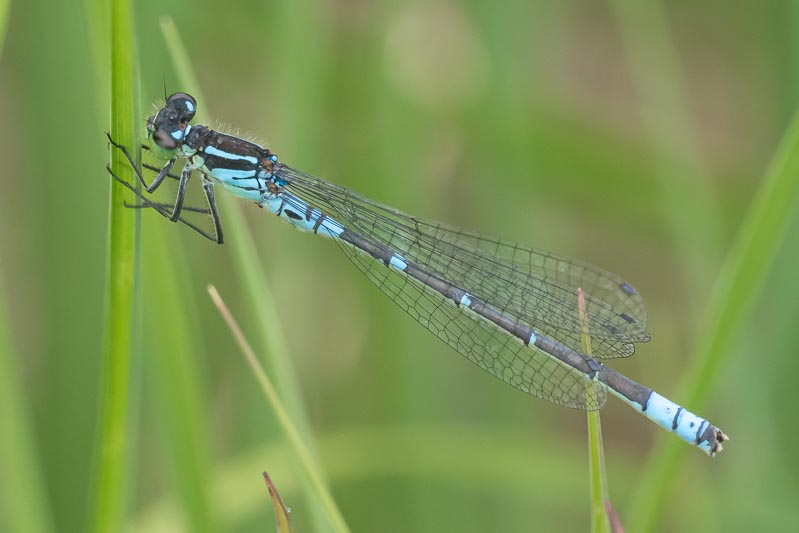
x=158, y=169
x=159, y=208
x=208, y=187
x=184, y=179
x=159, y=179
x=162, y=173
x=168, y=208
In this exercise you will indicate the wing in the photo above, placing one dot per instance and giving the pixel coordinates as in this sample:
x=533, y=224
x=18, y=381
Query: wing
x=524, y=367
x=536, y=287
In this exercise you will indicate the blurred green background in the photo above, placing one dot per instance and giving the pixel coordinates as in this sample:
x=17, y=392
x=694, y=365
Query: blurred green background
x=632, y=135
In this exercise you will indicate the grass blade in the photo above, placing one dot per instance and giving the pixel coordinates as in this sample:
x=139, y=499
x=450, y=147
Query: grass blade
x=745, y=268
x=596, y=454
x=111, y=478
x=295, y=439
x=281, y=511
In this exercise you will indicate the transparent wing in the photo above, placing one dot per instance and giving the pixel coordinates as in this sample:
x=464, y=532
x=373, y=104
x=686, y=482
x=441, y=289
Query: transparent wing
x=538, y=288
x=524, y=367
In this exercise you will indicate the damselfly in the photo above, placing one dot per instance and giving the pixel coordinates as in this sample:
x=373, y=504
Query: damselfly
x=510, y=309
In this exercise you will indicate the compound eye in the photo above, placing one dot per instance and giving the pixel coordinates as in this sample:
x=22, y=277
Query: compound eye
x=184, y=104
x=165, y=139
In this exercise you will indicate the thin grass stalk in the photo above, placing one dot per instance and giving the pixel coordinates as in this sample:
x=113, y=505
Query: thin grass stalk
x=296, y=440
x=282, y=522
x=596, y=453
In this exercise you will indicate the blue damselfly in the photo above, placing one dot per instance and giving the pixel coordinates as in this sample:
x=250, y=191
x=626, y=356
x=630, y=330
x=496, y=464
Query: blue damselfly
x=510, y=309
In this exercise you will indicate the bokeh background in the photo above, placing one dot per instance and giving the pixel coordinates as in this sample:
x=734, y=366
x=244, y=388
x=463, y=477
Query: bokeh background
x=634, y=135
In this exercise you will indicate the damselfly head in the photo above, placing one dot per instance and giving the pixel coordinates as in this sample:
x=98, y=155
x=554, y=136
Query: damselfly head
x=169, y=126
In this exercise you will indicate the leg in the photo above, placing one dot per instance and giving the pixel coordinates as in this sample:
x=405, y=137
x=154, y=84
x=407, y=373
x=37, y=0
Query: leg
x=159, y=179
x=168, y=207
x=184, y=179
x=161, y=174
x=158, y=169
x=208, y=187
x=162, y=210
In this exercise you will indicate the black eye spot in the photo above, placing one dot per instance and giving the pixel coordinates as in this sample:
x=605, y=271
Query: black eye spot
x=291, y=214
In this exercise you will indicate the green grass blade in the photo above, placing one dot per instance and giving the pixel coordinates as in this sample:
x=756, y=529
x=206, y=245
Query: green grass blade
x=747, y=263
x=296, y=440
x=23, y=500
x=111, y=479
x=596, y=453
x=282, y=522
x=255, y=283
x=598, y=474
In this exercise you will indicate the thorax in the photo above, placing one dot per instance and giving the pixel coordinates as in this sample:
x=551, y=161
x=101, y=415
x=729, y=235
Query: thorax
x=241, y=166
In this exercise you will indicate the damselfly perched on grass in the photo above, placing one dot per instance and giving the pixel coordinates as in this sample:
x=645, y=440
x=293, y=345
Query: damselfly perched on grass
x=510, y=309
